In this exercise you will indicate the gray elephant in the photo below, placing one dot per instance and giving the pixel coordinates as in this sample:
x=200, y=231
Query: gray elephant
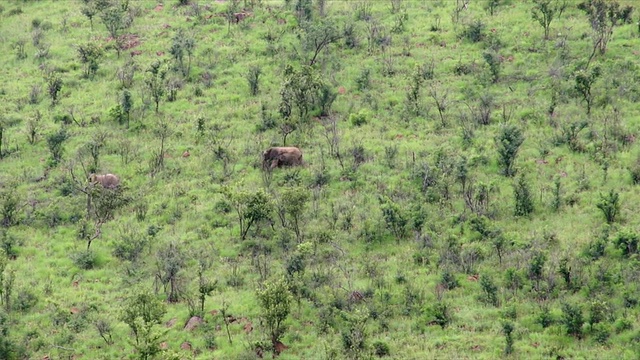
x=281, y=156
x=108, y=181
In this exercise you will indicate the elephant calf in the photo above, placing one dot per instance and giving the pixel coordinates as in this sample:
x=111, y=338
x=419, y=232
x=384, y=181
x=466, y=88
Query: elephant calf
x=281, y=156
x=108, y=181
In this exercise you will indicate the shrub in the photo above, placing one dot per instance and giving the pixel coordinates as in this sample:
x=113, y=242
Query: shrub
x=622, y=324
x=508, y=143
x=474, y=32
x=634, y=172
x=627, y=241
x=8, y=243
x=493, y=61
x=381, y=349
x=489, y=291
x=253, y=78
x=25, y=300
x=507, y=330
x=85, y=259
x=523, y=198
x=364, y=79
x=130, y=245
x=545, y=319
x=572, y=319
x=360, y=118
x=610, y=206
x=601, y=333
x=448, y=280
x=439, y=314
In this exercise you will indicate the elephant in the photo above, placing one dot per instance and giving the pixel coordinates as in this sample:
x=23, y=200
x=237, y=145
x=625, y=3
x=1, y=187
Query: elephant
x=281, y=156
x=108, y=181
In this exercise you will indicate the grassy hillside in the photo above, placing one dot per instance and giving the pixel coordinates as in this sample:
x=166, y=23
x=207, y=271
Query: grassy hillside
x=469, y=187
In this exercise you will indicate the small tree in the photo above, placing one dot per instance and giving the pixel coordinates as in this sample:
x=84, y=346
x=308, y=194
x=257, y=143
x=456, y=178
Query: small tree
x=317, y=36
x=33, y=128
x=155, y=81
x=572, y=319
x=103, y=206
x=54, y=85
x=492, y=6
x=7, y=349
x=55, y=143
x=143, y=313
x=493, y=61
x=275, y=301
x=183, y=44
x=584, y=84
x=508, y=143
x=610, y=206
x=116, y=20
x=126, y=104
x=300, y=89
x=544, y=11
x=253, y=78
x=394, y=218
x=413, y=94
x=294, y=202
x=507, y=330
x=603, y=17
x=489, y=290
x=354, y=335
x=523, y=198
x=89, y=10
x=536, y=267
x=89, y=55
x=251, y=208
x=205, y=286
x=163, y=132
x=170, y=261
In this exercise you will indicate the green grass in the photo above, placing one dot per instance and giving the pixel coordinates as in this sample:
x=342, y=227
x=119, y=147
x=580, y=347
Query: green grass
x=184, y=198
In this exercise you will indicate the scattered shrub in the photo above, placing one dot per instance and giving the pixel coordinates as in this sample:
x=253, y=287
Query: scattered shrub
x=627, y=241
x=363, y=80
x=25, y=300
x=475, y=31
x=360, y=118
x=381, y=349
x=545, y=319
x=85, y=259
x=601, y=333
x=572, y=319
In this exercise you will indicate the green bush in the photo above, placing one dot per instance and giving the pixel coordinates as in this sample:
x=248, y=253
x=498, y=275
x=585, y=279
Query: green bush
x=439, y=314
x=381, y=349
x=627, y=241
x=572, y=319
x=545, y=319
x=601, y=333
x=25, y=300
x=448, y=280
x=360, y=118
x=85, y=259
x=475, y=31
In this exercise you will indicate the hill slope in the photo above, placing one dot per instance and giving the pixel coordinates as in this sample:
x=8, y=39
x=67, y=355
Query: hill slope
x=468, y=188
